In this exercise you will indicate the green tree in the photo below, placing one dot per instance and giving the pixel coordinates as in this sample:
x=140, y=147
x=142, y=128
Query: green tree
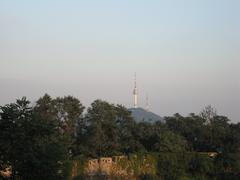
x=156, y=137
x=228, y=161
x=170, y=142
x=126, y=131
x=29, y=144
x=14, y=118
x=102, y=132
x=172, y=166
x=201, y=166
x=65, y=113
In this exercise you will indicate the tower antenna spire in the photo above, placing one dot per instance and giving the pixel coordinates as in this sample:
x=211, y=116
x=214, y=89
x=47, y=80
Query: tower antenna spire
x=135, y=92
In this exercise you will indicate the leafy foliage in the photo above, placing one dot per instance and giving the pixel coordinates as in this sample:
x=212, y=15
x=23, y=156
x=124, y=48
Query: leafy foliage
x=46, y=141
x=28, y=143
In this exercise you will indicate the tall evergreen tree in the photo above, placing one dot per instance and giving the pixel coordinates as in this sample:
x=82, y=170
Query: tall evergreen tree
x=30, y=145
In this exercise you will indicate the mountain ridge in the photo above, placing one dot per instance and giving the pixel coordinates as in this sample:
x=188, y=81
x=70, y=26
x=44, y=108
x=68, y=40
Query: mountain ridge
x=142, y=115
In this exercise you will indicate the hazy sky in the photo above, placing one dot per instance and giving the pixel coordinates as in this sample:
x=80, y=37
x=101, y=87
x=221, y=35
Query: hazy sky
x=186, y=52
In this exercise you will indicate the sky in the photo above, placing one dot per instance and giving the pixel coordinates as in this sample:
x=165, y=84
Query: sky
x=186, y=53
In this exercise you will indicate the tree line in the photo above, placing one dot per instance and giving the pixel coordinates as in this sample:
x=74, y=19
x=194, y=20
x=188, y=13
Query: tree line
x=37, y=139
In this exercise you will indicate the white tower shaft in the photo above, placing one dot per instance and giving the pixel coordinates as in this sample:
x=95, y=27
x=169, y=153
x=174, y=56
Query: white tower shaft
x=147, y=103
x=135, y=93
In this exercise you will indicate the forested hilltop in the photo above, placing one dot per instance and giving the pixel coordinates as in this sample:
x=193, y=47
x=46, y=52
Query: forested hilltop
x=39, y=141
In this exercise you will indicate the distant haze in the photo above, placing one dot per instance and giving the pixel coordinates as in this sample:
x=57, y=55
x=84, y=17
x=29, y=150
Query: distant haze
x=186, y=53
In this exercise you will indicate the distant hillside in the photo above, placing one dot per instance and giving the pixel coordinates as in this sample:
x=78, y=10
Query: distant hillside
x=140, y=114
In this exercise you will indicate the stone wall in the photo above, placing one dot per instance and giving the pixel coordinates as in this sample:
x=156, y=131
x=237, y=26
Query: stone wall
x=120, y=166
x=105, y=166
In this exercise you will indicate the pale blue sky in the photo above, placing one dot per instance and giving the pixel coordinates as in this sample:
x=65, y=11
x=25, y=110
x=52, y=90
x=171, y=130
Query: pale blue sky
x=185, y=52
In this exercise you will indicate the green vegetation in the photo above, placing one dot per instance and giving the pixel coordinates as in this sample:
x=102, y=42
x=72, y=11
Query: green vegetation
x=53, y=138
